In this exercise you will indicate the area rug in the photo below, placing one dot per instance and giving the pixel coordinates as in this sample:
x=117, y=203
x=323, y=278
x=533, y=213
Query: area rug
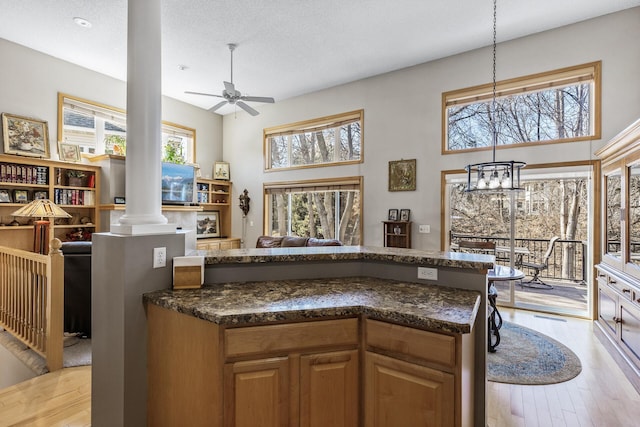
x=77, y=352
x=525, y=356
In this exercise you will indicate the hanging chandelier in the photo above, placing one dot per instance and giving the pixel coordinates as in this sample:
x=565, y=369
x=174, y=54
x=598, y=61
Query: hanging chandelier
x=494, y=175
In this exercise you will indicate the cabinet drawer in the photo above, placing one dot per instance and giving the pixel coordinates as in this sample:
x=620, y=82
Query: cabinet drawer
x=289, y=337
x=425, y=345
x=621, y=286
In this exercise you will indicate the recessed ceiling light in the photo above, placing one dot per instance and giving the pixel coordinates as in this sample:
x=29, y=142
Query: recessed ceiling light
x=82, y=22
x=182, y=67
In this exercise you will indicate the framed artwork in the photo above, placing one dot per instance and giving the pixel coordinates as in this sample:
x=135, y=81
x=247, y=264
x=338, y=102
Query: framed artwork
x=208, y=224
x=5, y=196
x=37, y=195
x=393, y=214
x=402, y=175
x=68, y=152
x=20, y=196
x=405, y=214
x=221, y=171
x=24, y=136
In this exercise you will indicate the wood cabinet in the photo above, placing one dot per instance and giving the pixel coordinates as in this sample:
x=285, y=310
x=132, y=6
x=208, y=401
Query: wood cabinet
x=218, y=244
x=412, y=377
x=313, y=383
x=397, y=234
x=308, y=373
x=618, y=274
x=405, y=394
x=74, y=187
x=215, y=195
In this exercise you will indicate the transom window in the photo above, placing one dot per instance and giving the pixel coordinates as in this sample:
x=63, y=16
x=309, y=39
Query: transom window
x=557, y=106
x=329, y=209
x=313, y=143
x=101, y=129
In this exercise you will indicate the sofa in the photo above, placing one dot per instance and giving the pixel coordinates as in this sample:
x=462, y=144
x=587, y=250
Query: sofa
x=294, y=241
x=77, y=287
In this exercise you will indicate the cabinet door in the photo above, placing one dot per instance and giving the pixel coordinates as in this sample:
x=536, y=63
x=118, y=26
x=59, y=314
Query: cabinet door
x=630, y=330
x=607, y=309
x=256, y=392
x=399, y=393
x=613, y=217
x=329, y=389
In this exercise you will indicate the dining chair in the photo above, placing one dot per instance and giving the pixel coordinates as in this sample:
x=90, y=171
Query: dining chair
x=539, y=266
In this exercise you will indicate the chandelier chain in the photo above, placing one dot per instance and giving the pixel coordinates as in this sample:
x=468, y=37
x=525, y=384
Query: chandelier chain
x=494, y=131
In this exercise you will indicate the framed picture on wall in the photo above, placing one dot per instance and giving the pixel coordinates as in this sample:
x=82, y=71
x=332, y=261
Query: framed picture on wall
x=25, y=136
x=221, y=171
x=208, y=224
x=402, y=175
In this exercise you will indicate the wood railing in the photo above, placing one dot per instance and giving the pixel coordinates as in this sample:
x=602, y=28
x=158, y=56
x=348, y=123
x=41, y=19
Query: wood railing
x=32, y=300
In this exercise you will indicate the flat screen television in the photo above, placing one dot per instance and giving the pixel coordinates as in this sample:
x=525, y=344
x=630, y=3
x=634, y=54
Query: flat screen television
x=178, y=184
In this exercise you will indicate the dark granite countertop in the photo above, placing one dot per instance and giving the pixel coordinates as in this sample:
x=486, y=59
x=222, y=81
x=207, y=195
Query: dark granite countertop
x=419, y=305
x=347, y=253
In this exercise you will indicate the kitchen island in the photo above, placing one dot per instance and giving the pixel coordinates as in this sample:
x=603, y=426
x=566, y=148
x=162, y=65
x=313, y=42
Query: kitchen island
x=351, y=348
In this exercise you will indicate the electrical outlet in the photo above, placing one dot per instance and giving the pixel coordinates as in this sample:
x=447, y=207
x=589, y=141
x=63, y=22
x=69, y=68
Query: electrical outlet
x=427, y=273
x=159, y=257
x=424, y=229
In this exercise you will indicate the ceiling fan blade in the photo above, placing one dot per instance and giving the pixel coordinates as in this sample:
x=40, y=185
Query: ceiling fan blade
x=229, y=87
x=246, y=108
x=218, y=105
x=258, y=99
x=202, y=93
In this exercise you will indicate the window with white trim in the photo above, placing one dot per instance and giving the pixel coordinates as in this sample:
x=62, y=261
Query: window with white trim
x=101, y=129
x=314, y=143
x=556, y=106
x=328, y=208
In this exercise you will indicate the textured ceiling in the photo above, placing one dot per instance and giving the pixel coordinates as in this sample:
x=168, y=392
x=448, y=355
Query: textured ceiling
x=285, y=47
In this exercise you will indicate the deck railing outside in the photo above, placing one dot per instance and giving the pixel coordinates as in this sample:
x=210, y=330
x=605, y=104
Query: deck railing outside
x=567, y=261
x=32, y=300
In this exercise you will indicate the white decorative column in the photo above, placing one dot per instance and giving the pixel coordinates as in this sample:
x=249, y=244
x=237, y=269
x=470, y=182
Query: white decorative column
x=143, y=213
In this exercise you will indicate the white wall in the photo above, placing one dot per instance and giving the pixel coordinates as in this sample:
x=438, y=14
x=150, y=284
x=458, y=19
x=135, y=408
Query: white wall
x=403, y=119
x=30, y=82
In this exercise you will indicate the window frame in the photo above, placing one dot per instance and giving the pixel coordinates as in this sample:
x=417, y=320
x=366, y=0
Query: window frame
x=591, y=71
x=306, y=126
x=120, y=114
x=323, y=184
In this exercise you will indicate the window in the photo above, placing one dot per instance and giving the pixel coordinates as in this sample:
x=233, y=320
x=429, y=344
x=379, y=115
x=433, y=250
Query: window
x=101, y=129
x=329, y=209
x=313, y=143
x=557, y=106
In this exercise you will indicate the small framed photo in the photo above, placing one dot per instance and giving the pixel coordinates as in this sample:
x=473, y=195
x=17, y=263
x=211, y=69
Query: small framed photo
x=25, y=136
x=405, y=214
x=69, y=152
x=221, y=171
x=5, y=196
x=208, y=224
x=20, y=196
x=38, y=195
x=119, y=200
x=393, y=214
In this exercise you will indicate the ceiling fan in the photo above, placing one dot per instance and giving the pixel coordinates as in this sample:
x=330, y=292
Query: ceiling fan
x=233, y=96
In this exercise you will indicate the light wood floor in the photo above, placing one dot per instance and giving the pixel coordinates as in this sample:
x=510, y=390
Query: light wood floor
x=599, y=396
x=58, y=399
